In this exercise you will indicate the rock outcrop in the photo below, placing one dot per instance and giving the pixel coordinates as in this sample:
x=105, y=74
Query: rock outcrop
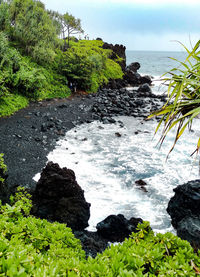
x=131, y=76
x=92, y=242
x=184, y=209
x=117, y=51
x=58, y=197
x=116, y=228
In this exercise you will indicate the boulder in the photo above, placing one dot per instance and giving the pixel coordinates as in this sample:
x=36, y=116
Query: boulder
x=91, y=242
x=116, y=228
x=184, y=209
x=133, y=67
x=58, y=197
x=132, y=78
x=145, y=90
x=185, y=202
x=145, y=80
x=189, y=229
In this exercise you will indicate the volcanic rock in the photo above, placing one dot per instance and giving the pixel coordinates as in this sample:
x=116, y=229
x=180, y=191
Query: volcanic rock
x=133, y=66
x=184, y=209
x=116, y=228
x=145, y=90
x=118, y=51
x=58, y=197
x=185, y=202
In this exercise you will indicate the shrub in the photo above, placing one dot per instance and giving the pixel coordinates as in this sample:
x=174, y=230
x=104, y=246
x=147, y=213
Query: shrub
x=11, y=103
x=3, y=169
x=88, y=64
x=34, y=247
x=145, y=254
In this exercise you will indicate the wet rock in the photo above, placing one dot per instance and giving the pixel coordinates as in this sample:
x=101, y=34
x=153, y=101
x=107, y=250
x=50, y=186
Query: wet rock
x=43, y=127
x=185, y=202
x=58, y=197
x=146, y=79
x=132, y=78
x=62, y=106
x=184, y=209
x=189, y=229
x=117, y=134
x=37, y=139
x=118, y=102
x=142, y=184
x=135, y=66
x=145, y=88
x=18, y=136
x=116, y=228
x=91, y=242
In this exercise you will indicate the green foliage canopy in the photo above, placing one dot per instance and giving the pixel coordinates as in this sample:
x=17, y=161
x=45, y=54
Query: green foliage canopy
x=35, y=247
x=28, y=23
x=32, y=63
x=88, y=64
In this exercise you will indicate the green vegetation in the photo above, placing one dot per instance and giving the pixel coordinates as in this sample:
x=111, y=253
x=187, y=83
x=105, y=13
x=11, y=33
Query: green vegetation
x=88, y=64
x=35, y=247
x=3, y=169
x=12, y=103
x=183, y=103
x=36, y=64
x=68, y=25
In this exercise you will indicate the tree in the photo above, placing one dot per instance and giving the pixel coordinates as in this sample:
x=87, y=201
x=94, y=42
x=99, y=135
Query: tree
x=70, y=26
x=183, y=104
x=34, y=30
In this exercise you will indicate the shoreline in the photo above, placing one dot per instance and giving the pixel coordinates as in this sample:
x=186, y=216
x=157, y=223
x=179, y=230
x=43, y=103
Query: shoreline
x=31, y=133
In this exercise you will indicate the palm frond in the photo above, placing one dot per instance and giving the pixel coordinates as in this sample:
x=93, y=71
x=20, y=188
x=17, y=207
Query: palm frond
x=183, y=103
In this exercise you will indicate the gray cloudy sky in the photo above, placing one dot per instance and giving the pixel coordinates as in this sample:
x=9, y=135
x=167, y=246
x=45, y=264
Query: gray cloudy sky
x=138, y=24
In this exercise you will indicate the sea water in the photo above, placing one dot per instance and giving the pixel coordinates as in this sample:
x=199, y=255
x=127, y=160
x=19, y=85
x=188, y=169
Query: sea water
x=107, y=166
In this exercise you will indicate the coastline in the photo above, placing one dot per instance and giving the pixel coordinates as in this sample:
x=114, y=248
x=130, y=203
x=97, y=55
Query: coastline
x=31, y=133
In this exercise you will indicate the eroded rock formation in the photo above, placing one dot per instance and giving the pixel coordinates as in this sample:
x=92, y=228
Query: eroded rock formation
x=58, y=197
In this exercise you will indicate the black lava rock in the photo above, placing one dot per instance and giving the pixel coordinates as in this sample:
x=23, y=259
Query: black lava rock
x=184, y=209
x=185, y=202
x=117, y=227
x=58, y=197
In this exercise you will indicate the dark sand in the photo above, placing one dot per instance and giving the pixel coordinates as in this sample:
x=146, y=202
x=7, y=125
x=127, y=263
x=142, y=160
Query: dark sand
x=30, y=134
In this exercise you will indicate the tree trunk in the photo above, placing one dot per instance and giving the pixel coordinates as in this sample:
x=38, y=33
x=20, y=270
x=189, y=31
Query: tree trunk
x=68, y=37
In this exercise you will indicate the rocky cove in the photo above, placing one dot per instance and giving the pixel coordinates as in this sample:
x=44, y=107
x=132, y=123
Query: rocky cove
x=32, y=134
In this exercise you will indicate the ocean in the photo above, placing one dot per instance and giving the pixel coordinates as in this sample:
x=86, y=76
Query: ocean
x=155, y=63
x=107, y=166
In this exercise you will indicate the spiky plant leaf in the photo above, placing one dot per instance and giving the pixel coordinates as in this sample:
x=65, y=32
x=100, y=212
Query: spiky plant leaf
x=183, y=104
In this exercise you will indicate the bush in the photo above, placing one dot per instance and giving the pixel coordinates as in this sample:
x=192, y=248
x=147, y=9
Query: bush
x=88, y=65
x=19, y=74
x=35, y=247
x=11, y=103
x=3, y=169
x=145, y=254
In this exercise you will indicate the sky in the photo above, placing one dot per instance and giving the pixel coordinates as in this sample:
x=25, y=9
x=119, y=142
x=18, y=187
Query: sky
x=154, y=25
